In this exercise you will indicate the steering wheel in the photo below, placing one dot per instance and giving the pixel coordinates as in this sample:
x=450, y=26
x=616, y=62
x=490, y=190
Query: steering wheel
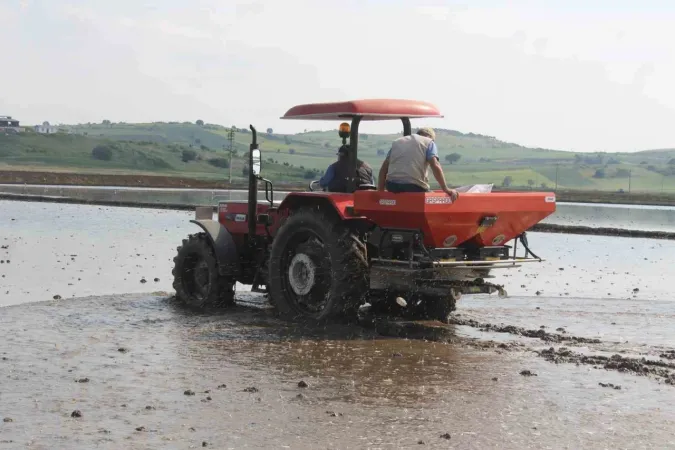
x=311, y=185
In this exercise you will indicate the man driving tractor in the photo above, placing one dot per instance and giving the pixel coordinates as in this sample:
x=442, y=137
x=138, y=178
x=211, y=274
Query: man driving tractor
x=335, y=178
x=405, y=169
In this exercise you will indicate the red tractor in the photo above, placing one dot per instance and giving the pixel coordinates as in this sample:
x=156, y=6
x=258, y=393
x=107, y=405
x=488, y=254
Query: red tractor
x=320, y=255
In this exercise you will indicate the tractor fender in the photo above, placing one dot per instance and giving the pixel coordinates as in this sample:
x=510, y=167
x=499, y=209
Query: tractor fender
x=223, y=244
x=335, y=203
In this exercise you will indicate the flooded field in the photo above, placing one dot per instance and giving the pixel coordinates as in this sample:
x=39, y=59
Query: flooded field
x=635, y=217
x=595, y=371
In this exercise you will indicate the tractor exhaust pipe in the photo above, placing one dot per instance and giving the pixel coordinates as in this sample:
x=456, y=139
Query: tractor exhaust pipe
x=252, y=186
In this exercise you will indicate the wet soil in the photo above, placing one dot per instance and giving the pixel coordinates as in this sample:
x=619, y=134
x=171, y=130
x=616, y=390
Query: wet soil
x=242, y=368
x=602, y=231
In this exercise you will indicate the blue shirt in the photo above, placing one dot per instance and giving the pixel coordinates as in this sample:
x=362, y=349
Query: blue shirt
x=432, y=151
x=330, y=174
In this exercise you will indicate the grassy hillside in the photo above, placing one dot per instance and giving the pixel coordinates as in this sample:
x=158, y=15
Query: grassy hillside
x=124, y=155
x=159, y=147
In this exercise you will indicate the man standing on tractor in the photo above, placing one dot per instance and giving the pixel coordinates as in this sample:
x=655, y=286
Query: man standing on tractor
x=406, y=167
x=335, y=178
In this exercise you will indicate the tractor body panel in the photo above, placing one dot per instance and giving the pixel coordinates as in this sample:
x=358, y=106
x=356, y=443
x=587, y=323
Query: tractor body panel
x=233, y=215
x=484, y=219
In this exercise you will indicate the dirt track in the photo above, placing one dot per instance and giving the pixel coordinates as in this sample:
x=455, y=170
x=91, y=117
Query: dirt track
x=63, y=177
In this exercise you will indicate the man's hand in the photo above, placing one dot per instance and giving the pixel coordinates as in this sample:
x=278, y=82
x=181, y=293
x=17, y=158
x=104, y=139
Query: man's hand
x=454, y=195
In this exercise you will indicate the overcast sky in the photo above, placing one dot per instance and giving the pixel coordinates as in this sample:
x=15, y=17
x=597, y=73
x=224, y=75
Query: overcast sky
x=575, y=75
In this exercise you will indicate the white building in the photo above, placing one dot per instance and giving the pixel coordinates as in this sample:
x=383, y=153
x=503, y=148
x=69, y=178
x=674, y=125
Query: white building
x=45, y=128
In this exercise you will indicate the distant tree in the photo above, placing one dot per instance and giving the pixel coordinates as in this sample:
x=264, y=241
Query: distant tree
x=507, y=181
x=364, y=136
x=205, y=148
x=189, y=155
x=381, y=152
x=244, y=170
x=327, y=144
x=453, y=157
x=106, y=122
x=544, y=186
x=291, y=151
x=599, y=173
x=613, y=161
x=671, y=162
x=530, y=183
x=309, y=175
x=102, y=153
x=287, y=140
x=278, y=150
x=222, y=163
x=642, y=163
x=198, y=141
x=622, y=173
x=200, y=122
x=270, y=131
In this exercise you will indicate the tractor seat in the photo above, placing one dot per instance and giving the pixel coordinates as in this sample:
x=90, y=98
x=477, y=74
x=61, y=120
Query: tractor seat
x=367, y=187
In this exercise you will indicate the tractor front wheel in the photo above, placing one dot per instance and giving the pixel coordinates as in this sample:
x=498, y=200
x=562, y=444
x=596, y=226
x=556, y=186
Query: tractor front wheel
x=197, y=278
x=317, y=269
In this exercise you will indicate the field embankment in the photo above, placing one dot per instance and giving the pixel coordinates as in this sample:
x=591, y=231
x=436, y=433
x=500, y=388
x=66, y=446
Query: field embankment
x=166, y=181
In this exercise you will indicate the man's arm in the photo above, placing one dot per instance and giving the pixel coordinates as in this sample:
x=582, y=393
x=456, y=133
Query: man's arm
x=437, y=170
x=382, y=176
x=327, y=177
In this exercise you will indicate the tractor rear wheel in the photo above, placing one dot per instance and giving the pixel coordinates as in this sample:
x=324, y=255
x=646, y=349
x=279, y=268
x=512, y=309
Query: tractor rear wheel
x=318, y=269
x=197, y=278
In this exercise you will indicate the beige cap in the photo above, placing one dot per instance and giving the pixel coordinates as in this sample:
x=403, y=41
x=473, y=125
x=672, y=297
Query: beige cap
x=426, y=131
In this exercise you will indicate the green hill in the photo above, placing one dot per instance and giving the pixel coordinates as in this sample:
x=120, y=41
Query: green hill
x=160, y=147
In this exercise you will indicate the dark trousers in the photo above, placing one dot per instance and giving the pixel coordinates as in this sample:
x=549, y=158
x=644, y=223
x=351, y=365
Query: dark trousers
x=404, y=187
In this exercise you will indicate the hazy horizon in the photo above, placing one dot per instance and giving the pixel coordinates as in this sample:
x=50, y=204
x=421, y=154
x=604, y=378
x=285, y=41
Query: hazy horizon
x=572, y=77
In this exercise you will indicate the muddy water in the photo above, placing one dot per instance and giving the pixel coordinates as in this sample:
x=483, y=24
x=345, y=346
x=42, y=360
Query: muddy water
x=140, y=355
x=365, y=390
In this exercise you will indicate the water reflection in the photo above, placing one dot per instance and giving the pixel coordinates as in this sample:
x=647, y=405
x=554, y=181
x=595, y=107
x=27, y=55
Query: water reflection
x=353, y=364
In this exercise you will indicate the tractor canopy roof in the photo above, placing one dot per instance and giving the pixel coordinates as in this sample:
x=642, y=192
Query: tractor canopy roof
x=367, y=109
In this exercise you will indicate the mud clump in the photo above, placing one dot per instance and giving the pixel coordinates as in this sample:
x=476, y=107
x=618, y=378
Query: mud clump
x=446, y=436
x=670, y=354
x=222, y=386
x=122, y=350
x=189, y=392
x=610, y=385
x=519, y=331
x=302, y=384
x=76, y=413
x=637, y=366
x=57, y=297
x=82, y=380
x=8, y=420
x=528, y=373
x=251, y=389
